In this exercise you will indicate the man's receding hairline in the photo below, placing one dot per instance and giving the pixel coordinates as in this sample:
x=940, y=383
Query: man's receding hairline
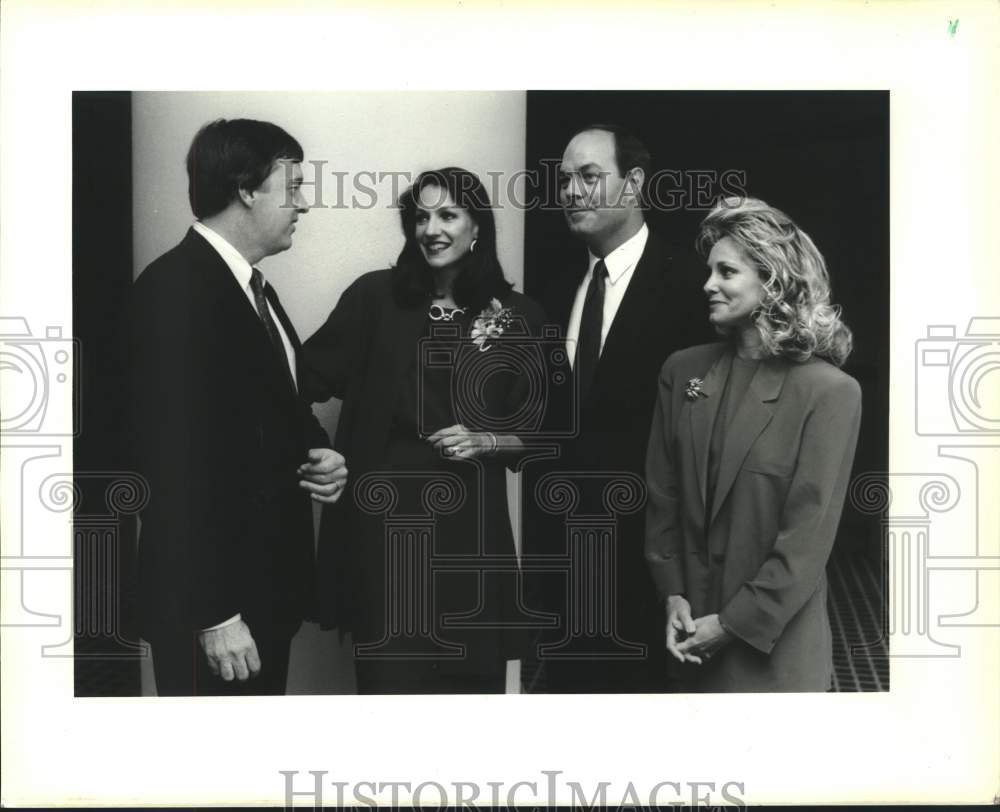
x=614, y=147
x=595, y=130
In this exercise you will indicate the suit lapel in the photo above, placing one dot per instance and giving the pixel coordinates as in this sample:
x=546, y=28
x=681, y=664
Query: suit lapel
x=286, y=325
x=236, y=315
x=703, y=412
x=642, y=296
x=752, y=416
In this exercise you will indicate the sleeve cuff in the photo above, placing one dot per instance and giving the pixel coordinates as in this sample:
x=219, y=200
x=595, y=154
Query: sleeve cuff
x=668, y=577
x=235, y=618
x=743, y=618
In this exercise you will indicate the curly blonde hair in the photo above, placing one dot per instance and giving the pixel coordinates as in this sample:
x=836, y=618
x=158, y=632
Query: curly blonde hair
x=795, y=318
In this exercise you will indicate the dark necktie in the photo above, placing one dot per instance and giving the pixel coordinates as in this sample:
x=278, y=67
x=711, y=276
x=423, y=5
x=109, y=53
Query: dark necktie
x=260, y=299
x=588, y=345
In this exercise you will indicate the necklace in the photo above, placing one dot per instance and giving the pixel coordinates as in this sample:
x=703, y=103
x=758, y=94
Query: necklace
x=439, y=313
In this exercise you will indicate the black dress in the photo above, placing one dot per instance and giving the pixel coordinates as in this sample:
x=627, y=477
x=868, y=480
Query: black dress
x=418, y=556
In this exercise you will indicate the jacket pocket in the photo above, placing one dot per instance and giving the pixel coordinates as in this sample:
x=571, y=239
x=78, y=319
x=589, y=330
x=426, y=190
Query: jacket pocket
x=777, y=468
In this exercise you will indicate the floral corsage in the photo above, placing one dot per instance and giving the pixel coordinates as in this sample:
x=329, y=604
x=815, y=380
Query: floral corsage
x=490, y=323
x=694, y=390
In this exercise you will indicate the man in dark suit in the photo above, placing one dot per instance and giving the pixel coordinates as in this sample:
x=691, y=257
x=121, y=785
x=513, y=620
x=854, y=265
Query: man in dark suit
x=231, y=452
x=632, y=303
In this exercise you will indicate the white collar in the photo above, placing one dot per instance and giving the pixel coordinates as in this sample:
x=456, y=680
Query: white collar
x=234, y=259
x=625, y=257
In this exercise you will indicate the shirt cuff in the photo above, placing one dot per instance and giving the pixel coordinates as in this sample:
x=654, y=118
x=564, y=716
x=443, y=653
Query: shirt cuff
x=229, y=622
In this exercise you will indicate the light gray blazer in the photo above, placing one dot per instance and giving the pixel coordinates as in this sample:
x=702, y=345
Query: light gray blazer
x=761, y=561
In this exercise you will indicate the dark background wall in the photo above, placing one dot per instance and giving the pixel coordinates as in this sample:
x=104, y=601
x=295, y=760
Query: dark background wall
x=820, y=156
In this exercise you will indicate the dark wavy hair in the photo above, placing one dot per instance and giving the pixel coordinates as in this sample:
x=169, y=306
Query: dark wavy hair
x=795, y=318
x=482, y=277
x=226, y=156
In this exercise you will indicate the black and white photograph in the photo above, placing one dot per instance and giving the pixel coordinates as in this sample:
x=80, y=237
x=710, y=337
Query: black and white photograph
x=410, y=407
x=665, y=526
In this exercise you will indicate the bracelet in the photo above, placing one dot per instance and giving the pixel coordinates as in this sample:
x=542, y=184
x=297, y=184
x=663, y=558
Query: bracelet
x=493, y=450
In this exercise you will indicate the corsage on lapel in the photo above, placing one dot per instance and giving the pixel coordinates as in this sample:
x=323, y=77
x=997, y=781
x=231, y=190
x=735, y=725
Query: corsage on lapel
x=490, y=323
x=693, y=390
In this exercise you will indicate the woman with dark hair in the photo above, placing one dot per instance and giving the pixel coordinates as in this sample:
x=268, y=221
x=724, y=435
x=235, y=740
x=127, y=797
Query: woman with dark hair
x=433, y=360
x=748, y=463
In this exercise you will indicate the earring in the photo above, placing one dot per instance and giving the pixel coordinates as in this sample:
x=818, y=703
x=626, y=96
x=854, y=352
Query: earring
x=472, y=246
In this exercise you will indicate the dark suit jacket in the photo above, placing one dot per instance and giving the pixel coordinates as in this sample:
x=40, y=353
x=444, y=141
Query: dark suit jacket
x=782, y=478
x=663, y=310
x=219, y=432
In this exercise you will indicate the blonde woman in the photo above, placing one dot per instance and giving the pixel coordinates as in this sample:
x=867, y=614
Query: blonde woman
x=748, y=463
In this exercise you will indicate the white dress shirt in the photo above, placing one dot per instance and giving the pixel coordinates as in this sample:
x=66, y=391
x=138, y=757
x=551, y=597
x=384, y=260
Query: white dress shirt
x=243, y=272
x=621, y=265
